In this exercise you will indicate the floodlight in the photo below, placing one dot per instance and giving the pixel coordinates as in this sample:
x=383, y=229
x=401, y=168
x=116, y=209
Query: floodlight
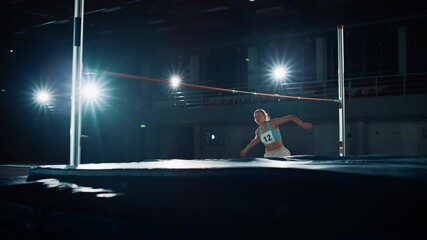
x=43, y=97
x=91, y=92
x=175, y=81
x=280, y=72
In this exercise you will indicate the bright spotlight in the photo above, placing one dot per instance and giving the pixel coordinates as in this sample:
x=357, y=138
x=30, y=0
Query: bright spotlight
x=91, y=92
x=280, y=72
x=175, y=81
x=43, y=96
x=94, y=90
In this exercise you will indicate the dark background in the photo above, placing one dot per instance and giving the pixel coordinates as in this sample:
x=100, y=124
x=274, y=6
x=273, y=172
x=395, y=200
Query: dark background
x=123, y=35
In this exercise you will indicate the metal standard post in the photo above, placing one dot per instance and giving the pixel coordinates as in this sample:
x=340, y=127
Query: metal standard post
x=341, y=93
x=75, y=126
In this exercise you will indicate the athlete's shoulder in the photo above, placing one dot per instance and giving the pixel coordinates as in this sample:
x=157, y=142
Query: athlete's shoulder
x=273, y=124
x=257, y=130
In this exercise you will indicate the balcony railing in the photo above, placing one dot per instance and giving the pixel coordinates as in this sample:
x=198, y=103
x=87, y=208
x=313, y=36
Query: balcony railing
x=393, y=85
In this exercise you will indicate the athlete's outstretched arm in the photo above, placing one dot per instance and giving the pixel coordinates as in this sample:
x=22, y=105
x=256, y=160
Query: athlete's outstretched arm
x=277, y=121
x=254, y=142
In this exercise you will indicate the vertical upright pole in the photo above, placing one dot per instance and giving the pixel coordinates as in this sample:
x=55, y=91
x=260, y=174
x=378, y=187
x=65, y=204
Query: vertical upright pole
x=76, y=108
x=341, y=93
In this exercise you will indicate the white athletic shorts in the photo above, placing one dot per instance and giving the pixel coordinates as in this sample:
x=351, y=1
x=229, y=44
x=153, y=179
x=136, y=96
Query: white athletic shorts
x=280, y=152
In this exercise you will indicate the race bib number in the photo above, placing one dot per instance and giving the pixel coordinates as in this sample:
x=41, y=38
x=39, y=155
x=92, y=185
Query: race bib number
x=267, y=137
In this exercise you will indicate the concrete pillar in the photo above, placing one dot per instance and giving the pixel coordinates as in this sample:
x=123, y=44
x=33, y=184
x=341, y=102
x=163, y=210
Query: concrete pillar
x=253, y=67
x=402, y=51
x=362, y=138
x=321, y=59
x=146, y=89
x=194, y=69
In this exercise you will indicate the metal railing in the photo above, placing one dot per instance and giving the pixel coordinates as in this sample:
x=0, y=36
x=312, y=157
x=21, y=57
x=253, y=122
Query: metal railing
x=392, y=85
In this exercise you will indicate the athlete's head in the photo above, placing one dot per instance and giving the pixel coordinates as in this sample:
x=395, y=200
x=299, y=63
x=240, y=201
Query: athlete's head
x=260, y=116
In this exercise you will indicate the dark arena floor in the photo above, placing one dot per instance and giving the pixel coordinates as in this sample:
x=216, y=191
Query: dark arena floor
x=302, y=197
